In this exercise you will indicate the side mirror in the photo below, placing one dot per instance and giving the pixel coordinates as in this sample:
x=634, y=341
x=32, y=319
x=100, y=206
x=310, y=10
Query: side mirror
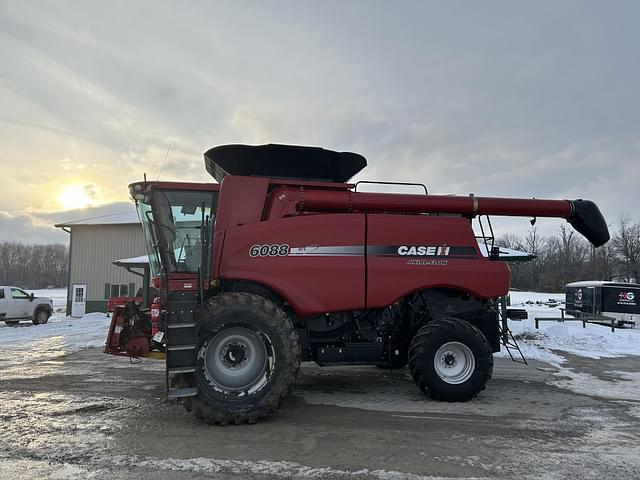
x=31, y=297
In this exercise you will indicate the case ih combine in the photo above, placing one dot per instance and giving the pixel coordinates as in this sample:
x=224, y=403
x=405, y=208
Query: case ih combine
x=283, y=261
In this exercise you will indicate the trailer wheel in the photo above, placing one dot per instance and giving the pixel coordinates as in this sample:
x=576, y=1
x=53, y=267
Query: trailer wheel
x=450, y=360
x=248, y=359
x=41, y=316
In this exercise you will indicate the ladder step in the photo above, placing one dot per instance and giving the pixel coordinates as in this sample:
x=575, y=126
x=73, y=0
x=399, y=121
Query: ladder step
x=182, y=370
x=181, y=325
x=182, y=392
x=178, y=348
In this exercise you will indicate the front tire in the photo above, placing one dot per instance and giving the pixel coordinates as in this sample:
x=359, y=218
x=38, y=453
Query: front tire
x=41, y=316
x=450, y=360
x=248, y=359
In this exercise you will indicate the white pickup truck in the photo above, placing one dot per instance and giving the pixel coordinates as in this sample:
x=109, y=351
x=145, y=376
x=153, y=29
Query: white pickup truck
x=16, y=305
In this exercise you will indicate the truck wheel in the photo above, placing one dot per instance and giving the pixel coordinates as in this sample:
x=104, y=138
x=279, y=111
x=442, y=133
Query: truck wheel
x=41, y=316
x=450, y=360
x=12, y=322
x=248, y=359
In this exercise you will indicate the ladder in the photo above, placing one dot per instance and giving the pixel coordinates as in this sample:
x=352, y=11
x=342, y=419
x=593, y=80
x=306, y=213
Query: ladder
x=506, y=337
x=181, y=335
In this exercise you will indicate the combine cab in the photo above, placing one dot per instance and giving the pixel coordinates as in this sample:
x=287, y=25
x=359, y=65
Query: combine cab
x=284, y=261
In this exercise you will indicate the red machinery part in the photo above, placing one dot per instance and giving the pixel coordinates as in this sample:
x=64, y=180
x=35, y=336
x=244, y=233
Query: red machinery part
x=137, y=347
x=155, y=316
x=583, y=215
x=115, y=329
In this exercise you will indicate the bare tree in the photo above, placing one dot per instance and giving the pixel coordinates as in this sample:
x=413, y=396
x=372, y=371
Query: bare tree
x=33, y=266
x=626, y=248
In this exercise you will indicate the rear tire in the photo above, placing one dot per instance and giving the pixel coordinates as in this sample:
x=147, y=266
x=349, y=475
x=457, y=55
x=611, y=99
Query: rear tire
x=12, y=323
x=248, y=360
x=450, y=360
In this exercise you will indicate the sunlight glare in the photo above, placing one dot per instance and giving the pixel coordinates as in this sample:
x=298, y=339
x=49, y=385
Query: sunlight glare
x=73, y=196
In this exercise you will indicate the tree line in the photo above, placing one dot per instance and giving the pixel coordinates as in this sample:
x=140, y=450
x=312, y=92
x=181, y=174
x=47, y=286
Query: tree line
x=33, y=266
x=567, y=257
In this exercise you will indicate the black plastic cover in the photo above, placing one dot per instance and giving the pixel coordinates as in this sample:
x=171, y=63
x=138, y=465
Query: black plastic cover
x=587, y=219
x=283, y=161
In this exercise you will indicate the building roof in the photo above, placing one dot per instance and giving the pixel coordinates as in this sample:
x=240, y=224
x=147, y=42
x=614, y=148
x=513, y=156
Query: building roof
x=132, y=262
x=507, y=254
x=118, y=218
x=601, y=283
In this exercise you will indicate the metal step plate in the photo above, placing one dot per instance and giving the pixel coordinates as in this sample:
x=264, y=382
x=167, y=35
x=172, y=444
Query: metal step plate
x=182, y=392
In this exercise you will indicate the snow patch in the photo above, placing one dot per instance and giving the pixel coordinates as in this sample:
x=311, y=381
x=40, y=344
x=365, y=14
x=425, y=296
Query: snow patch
x=280, y=469
x=546, y=342
x=627, y=388
x=60, y=336
x=551, y=339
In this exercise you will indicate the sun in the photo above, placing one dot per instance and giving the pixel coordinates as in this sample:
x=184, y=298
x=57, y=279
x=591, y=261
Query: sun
x=74, y=196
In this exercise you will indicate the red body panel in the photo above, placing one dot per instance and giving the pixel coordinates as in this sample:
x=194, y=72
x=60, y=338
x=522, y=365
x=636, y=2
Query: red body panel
x=311, y=284
x=391, y=277
x=114, y=302
x=327, y=262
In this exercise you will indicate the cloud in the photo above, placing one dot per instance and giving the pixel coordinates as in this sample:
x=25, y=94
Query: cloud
x=38, y=227
x=27, y=228
x=521, y=100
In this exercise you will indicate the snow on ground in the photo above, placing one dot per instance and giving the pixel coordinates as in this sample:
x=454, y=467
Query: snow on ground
x=61, y=335
x=552, y=338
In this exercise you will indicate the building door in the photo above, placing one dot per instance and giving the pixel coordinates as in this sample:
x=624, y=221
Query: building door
x=78, y=300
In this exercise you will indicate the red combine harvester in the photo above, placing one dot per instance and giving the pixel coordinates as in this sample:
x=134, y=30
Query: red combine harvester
x=283, y=261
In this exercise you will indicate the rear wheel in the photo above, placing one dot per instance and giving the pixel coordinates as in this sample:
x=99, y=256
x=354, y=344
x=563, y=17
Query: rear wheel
x=12, y=322
x=248, y=359
x=450, y=359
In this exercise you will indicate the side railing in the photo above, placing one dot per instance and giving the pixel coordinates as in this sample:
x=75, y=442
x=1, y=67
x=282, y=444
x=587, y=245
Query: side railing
x=578, y=316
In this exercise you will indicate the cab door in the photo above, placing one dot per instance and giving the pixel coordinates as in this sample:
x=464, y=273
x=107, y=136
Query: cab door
x=20, y=304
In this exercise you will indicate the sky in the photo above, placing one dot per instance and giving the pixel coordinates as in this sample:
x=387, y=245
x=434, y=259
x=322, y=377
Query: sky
x=496, y=98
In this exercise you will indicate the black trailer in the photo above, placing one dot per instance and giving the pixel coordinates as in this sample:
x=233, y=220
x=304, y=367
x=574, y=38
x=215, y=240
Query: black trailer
x=611, y=299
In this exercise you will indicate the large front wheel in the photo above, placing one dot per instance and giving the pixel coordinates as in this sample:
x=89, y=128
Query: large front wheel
x=248, y=359
x=450, y=359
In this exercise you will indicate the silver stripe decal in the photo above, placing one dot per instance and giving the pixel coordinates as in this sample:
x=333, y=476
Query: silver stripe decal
x=332, y=251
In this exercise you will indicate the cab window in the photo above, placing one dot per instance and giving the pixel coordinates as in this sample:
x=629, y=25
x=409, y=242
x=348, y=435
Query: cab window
x=178, y=221
x=18, y=294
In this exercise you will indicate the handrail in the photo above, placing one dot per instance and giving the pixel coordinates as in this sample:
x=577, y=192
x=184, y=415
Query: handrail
x=392, y=183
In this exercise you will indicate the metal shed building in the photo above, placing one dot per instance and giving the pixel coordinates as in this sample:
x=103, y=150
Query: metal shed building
x=93, y=246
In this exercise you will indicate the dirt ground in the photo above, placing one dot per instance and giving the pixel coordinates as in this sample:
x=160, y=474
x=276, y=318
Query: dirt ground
x=89, y=415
